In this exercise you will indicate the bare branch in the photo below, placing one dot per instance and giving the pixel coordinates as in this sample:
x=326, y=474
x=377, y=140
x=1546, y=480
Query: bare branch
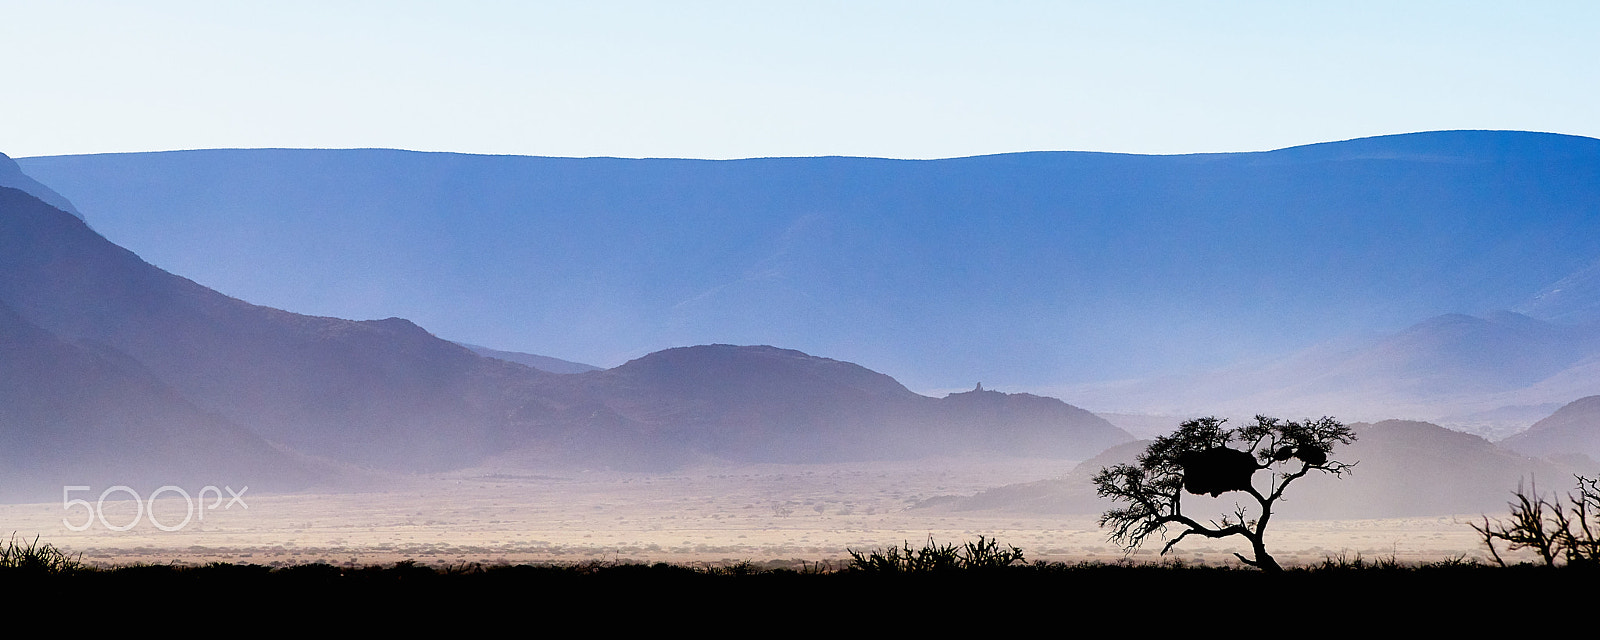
x=1550, y=528
x=1489, y=536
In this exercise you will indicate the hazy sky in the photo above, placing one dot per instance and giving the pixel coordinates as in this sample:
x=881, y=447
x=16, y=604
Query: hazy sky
x=740, y=79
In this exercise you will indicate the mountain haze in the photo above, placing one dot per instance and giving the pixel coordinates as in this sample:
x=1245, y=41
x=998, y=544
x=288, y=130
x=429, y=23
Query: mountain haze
x=1573, y=299
x=12, y=176
x=1366, y=279
x=1573, y=429
x=762, y=403
x=1496, y=367
x=542, y=363
x=1402, y=469
x=114, y=369
x=75, y=414
x=1029, y=270
x=374, y=392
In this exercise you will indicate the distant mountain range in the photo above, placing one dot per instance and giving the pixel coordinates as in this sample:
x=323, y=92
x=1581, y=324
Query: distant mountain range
x=1036, y=271
x=113, y=370
x=374, y=392
x=1493, y=375
x=779, y=405
x=12, y=176
x=542, y=363
x=1328, y=279
x=1572, y=430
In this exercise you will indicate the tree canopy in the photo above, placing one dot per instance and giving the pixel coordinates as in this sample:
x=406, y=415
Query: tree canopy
x=1198, y=459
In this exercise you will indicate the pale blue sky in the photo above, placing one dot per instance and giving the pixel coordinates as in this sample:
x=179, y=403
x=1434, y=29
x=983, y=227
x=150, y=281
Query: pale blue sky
x=743, y=79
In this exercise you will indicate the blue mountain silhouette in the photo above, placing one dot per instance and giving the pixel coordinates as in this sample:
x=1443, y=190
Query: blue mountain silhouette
x=112, y=369
x=1024, y=270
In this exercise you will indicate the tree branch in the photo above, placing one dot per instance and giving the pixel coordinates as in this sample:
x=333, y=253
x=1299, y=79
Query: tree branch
x=1153, y=489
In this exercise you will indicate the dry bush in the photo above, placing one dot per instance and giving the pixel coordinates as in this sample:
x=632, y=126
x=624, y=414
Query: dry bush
x=1561, y=532
x=933, y=557
x=33, y=557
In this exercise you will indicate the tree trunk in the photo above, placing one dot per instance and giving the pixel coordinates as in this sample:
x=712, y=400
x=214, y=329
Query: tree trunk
x=1264, y=560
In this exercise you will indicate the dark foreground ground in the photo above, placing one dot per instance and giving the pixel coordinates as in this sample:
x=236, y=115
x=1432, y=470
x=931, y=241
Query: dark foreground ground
x=1337, y=595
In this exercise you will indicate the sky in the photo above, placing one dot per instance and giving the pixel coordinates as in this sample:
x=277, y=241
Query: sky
x=752, y=79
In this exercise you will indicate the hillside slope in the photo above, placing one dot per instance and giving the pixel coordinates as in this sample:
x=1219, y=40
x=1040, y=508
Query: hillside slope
x=387, y=394
x=84, y=414
x=383, y=392
x=762, y=403
x=1025, y=270
x=1572, y=429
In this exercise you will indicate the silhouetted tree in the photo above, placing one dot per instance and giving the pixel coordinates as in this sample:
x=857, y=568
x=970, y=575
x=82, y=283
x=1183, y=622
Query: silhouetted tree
x=1559, y=533
x=1197, y=459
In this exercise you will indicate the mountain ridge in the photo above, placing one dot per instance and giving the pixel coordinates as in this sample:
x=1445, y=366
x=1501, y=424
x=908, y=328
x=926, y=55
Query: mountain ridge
x=931, y=270
x=771, y=404
x=389, y=395
x=11, y=175
x=1574, y=429
x=1475, y=367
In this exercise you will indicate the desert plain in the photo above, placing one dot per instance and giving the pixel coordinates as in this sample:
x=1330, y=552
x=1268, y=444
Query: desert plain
x=715, y=514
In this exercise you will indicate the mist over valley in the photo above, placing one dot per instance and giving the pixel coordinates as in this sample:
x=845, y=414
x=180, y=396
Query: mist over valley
x=750, y=337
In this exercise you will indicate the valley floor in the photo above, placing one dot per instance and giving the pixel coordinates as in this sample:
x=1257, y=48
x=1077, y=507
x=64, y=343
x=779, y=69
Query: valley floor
x=772, y=514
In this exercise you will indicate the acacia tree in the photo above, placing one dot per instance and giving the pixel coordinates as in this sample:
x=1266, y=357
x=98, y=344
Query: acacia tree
x=1197, y=459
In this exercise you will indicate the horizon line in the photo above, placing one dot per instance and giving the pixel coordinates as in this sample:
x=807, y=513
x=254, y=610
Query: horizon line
x=792, y=157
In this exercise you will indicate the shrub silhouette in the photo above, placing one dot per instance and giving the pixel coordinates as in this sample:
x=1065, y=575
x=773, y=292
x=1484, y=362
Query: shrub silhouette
x=1197, y=459
x=1561, y=533
x=33, y=557
x=933, y=557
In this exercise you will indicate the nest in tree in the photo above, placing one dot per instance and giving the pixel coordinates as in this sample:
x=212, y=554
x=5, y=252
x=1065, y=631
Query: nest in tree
x=1217, y=470
x=1311, y=454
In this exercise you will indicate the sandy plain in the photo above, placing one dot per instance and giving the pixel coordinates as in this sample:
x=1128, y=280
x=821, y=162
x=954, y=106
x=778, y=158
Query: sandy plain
x=776, y=515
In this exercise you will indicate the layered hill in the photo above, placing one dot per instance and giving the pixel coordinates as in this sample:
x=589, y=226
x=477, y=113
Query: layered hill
x=536, y=361
x=993, y=267
x=85, y=414
x=383, y=392
x=115, y=367
x=1024, y=270
x=12, y=176
x=762, y=403
x=1573, y=429
x=1494, y=374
